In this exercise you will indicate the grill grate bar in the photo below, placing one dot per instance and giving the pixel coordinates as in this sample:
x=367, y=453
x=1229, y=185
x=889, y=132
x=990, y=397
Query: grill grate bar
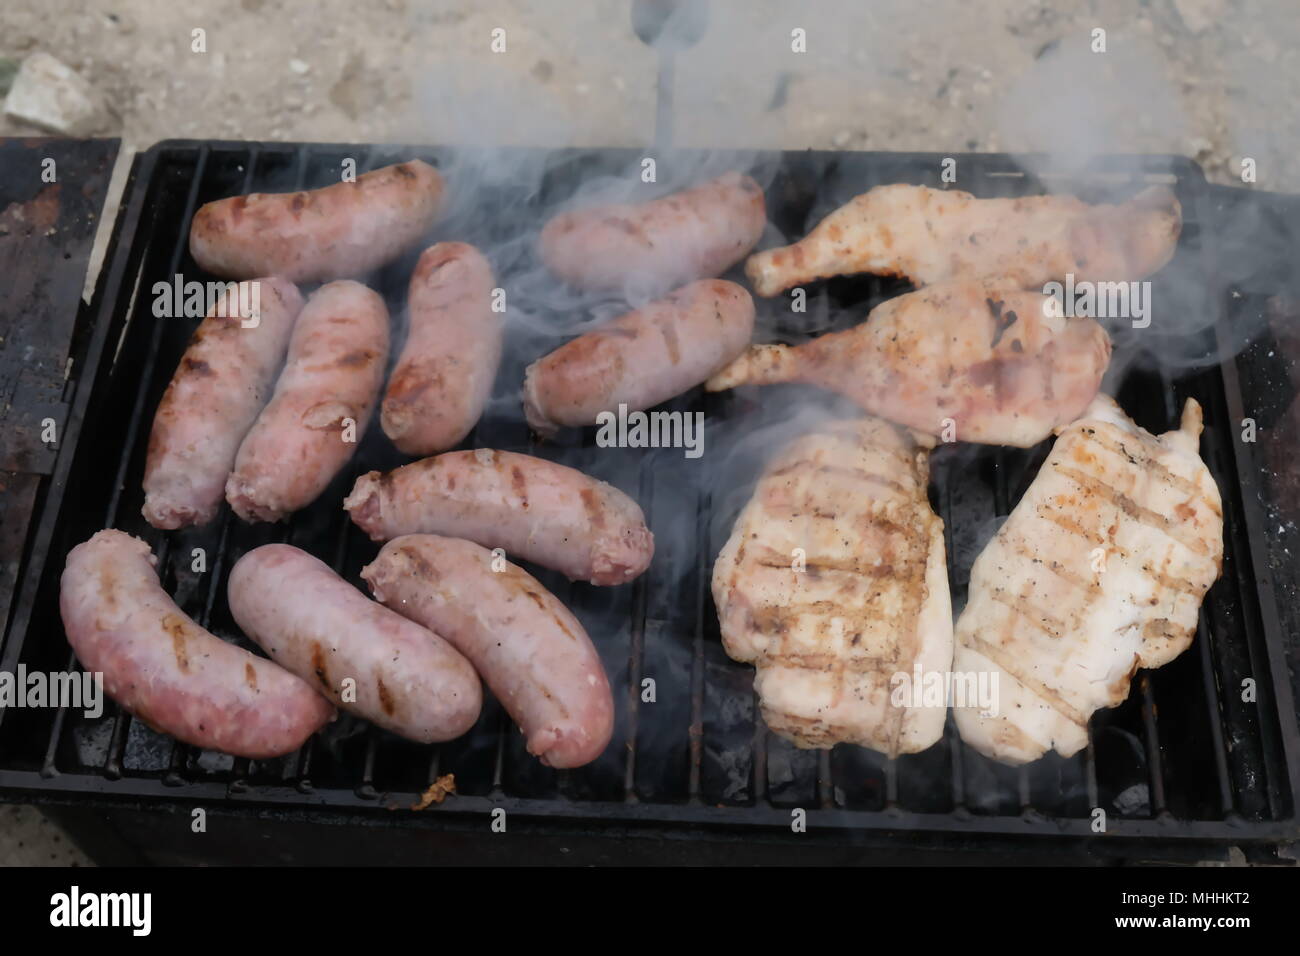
x=696, y=729
x=636, y=652
x=1204, y=638
x=1151, y=739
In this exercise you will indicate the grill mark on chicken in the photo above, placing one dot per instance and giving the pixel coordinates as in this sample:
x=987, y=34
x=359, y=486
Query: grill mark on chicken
x=858, y=474
x=1022, y=548
x=1136, y=453
x=815, y=567
x=1004, y=660
x=1049, y=625
x=1131, y=508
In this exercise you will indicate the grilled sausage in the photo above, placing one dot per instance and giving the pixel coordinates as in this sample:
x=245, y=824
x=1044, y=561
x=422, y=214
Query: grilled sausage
x=303, y=437
x=315, y=624
x=219, y=387
x=338, y=232
x=642, y=358
x=169, y=672
x=661, y=244
x=543, y=512
x=445, y=373
x=529, y=648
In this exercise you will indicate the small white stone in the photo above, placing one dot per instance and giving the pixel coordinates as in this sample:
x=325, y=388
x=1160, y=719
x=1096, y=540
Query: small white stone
x=51, y=95
x=299, y=67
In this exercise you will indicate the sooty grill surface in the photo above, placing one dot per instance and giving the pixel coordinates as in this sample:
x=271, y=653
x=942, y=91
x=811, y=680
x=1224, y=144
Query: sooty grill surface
x=1181, y=758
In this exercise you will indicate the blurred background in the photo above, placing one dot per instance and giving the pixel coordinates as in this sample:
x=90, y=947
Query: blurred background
x=1214, y=80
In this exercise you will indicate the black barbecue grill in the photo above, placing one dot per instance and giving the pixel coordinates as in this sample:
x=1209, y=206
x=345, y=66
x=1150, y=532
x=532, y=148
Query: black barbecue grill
x=1184, y=768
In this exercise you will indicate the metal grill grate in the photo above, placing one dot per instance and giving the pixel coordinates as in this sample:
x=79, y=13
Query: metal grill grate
x=1183, y=759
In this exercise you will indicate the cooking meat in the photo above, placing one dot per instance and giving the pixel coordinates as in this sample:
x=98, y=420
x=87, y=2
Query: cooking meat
x=341, y=231
x=969, y=361
x=444, y=375
x=166, y=670
x=657, y=245
x=834, y=582
x=362, y=656
x=929, y=235
x=540, y=511
x=1099, y=571
x=529, y=648
x=642, y=358
x=219, y=387
x=321, y=406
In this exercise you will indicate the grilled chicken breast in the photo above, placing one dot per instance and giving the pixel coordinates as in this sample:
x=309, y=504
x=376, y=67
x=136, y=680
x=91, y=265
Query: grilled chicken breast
x=929, y=235
x=1099, y=570
x=847, y=504
x=969, y=361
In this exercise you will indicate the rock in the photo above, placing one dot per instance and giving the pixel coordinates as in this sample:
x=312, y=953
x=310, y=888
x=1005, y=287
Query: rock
x=299, y=67
x=1198, y=15
x=841, y=139
x=52, y=96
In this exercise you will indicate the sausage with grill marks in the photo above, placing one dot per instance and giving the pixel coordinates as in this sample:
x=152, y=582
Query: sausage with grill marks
x=313, y=623
x=219, y=387
x=445, y=373
x=321, y=406
x=692, y=234
x=166, y=670
x=543, y=512
x=642, y=358
x=528, y=646
x=338, y=232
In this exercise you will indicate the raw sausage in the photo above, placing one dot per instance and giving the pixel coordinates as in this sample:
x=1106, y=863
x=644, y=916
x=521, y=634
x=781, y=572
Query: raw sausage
x=543, y=512
x=321, y=406
x=529, y=648
x=661, y=244
x=169, y=672
x=445, y=373
x=220, y=385
x=315, y=624
x=642, y=358
x=338, y=232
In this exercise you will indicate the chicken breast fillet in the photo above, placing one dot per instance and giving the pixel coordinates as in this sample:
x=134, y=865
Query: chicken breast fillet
x=929, y=235
x=848, y=501
x=964, y=361
x=1099, y=570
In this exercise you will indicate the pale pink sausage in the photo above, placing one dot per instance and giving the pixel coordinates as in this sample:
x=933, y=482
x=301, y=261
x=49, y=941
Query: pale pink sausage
x=642, y=358
x=660, y=244
x=321, y=406
x=337, y=232
x=169, y=672
x=529, y=648
x=313, y=623
x=220, y=385
x=445, y=373
x=532, y=508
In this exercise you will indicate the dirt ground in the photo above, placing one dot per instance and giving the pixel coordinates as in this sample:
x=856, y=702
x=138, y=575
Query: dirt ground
x=1215, y=80
x=1210, y=79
